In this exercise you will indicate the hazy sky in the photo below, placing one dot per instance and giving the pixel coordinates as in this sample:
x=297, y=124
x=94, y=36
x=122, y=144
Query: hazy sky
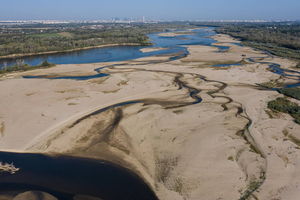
x=155, y=9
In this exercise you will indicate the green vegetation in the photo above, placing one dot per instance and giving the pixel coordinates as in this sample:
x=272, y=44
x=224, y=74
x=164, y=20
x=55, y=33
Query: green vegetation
x=281, y=39
x=252, y=187
x=25, y=67
x=31, y=39
x=44, y=42
x=230, y=158
x=275, y=50
x=45, y=64
x=271, y=84
x=291, y=92
x=286, y=106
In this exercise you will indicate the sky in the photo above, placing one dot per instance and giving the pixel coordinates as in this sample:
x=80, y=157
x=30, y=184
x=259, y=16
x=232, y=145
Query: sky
x=151, y=9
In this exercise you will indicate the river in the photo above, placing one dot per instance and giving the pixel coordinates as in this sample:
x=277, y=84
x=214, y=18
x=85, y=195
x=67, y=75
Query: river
x=122, y=53
x=65, y=176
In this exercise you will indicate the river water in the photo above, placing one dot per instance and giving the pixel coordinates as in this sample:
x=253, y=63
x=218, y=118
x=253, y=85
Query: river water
x=122, y=53
x=65, y=176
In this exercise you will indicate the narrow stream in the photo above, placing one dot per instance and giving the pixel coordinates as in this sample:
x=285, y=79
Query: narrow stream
x=276, y=68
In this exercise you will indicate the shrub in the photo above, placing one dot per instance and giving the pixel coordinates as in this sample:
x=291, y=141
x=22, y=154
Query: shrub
x=286, y=106
x=291, y=92
x=46, y=64
x=25, y=67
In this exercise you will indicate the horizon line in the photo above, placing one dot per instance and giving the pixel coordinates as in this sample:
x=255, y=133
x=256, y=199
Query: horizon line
x=149, y=19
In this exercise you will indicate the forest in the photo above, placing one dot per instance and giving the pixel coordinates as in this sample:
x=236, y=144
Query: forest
x=30, y=39
x=281, y=39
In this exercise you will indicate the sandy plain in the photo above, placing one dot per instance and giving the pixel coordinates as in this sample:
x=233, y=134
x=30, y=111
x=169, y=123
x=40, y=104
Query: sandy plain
x=227, y=146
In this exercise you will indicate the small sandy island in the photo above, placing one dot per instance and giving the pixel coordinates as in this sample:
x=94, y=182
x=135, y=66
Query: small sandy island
x=194, y=132
x=173, y=34
x=179, y=33
x=151, y=49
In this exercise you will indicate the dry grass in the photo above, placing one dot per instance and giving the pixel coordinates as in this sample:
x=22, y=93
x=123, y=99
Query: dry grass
x=67, y=91
x=178, y=111
x=123, y=83
x=269, y=113
x=178, y=187
x=99, y=80
x=271, y=84
x=164, y=167
x=30, y=94
x=231, y=158
x=295, y=140
x=111, y=91
x=285, y=132
x=2, y=128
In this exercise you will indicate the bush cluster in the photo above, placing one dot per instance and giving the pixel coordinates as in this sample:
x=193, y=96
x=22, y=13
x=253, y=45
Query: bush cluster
x=286, y=106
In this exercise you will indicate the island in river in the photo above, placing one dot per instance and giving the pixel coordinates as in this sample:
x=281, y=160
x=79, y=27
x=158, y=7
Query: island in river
x=189, y=125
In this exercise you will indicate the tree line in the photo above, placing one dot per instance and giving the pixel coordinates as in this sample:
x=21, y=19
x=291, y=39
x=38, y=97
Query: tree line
x=37, y=39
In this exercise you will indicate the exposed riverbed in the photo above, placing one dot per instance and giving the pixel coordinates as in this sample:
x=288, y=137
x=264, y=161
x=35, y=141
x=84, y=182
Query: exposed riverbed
x=148, y=113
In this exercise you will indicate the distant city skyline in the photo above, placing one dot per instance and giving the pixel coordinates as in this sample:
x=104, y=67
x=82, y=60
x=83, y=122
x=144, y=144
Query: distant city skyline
x=154, y=10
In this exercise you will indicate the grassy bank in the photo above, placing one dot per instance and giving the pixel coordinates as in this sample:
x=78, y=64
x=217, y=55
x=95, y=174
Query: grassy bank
x=291, y=92
x=25, y=67
x=281, y=39
x=69, y=50
x=274, y=49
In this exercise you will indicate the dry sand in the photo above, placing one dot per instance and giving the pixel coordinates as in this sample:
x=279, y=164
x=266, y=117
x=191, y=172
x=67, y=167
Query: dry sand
x=173, y=34
x=226, y=147
x=151, y=49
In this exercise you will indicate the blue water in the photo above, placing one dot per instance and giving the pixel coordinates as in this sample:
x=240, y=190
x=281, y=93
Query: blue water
x=276, y=68
x=65, y=176
x=227, y=65
x=81, y=78
x=172, y=45
x=123, y=53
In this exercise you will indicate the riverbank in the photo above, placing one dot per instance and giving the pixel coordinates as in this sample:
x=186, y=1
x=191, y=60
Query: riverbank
x=70, y=50
x=24, y=67
x=192, y=131
x=282, y=41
